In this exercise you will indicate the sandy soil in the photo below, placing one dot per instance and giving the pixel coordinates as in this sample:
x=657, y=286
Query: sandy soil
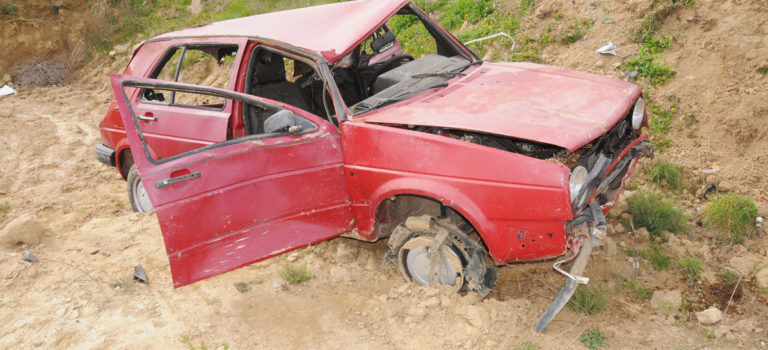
x=79, y=294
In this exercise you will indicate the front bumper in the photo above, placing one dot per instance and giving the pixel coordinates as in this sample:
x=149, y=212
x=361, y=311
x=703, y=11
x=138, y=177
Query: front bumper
x=105, y=155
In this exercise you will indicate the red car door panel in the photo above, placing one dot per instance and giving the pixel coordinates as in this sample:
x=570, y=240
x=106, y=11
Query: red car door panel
x=244, y=200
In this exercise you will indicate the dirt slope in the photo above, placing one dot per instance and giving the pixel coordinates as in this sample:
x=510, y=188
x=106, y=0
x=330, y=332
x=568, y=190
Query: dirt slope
x=79, y=294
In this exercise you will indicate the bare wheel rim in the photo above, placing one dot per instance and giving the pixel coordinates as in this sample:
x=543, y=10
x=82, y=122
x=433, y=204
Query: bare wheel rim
x=414, y=256
x=141, y=198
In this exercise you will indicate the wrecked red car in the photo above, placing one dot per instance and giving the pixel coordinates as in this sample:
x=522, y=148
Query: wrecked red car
x=251, y=138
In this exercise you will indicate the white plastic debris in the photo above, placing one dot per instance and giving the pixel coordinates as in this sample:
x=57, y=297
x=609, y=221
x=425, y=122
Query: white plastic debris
x=759, y=221
x=607, y=49
x=7, y=90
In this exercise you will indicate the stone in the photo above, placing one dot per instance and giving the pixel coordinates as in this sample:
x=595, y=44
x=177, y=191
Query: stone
x=292, y=257
x=712, y=180
x=609, y=249
x=667, y=300
x=709, y=316
x=346, y=252
x=709, y=276
x=621, y=206
x=761, y=278
x=29, y=257
x=121, y=49
x=599, y=64
x=6, y=78
x=619, y=228
x=721, y=331
x=642, y=234
x=675, y=245
x=340, y=274
x=610, y=230
x=725, y=186
x=24, y=229
x=744, y=265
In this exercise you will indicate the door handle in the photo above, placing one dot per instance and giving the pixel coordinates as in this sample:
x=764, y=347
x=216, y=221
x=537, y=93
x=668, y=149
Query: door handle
x=147, y=117
x=173, y=180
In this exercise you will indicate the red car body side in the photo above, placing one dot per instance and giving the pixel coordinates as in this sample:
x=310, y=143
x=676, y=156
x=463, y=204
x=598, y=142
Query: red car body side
x=249, y=197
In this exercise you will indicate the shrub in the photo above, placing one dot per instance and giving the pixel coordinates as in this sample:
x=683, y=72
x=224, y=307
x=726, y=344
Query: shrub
x=733, y=213
x=589, y=302
x=593, y=339
x=666, y=173
x=656, y=214
x=691, y=267
x=293, y=274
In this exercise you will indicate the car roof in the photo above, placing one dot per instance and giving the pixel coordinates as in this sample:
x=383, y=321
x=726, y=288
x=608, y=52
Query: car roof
x=329, y=30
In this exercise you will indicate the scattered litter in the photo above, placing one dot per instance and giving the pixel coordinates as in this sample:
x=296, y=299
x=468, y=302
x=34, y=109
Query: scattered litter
x=29, y=257
x=7, y=90
x=607, y=49
x=95, y=252
x=139, y=275
x=759, y=221
x=631, y=75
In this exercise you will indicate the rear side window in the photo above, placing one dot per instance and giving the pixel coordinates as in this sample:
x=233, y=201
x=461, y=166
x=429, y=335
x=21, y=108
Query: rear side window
x=204, y=65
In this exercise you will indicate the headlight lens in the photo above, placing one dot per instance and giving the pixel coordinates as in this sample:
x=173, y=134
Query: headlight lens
x=578, y=177
x=638, y=112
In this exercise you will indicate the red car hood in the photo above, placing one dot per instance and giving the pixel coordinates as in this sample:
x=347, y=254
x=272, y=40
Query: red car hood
x=522, y=100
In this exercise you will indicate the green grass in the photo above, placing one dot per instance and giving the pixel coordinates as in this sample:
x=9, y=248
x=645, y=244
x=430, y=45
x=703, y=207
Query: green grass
x=9, y=8
x=630, y=285
x=528, y=345
x=652, y=211
x=728, y=277
x=593, y=339
x=242, y=287
x=578, y=30
x=646, y=64
x=588, y=302
x=691, y=268
x=708, y=334
x=733, y=214
x=667, y=174
x=294, y=274
x=763, y=70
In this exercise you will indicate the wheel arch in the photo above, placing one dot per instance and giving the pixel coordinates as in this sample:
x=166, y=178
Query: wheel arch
x=394, y=203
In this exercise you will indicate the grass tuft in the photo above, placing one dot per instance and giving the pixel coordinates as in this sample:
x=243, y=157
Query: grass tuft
x=668, y=174
x=728, y=277
x=656, y=214
x=691, y=267
x=763, y=70
x=589, y=302
x=528, y=345
x=732, y=213
x=242, y=287
x=593, y=339
x=294, y=274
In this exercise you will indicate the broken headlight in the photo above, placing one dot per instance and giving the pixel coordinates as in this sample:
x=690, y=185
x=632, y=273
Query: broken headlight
x=638, y=113
x=578, y=178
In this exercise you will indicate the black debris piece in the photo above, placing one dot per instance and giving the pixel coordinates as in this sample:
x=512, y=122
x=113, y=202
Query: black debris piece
x=95, y=252
x=139, y=275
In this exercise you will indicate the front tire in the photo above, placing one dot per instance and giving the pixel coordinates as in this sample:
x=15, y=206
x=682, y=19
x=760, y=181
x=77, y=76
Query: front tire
x=136, y=193
x=430, y=251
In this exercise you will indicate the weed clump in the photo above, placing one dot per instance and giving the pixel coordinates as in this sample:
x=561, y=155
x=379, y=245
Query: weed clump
x=593, y=339
x=528, y=345
x=589, y=302
x=646, y=63
x=691, y=267
x=242, y=287
x=733, y=213
x=667, y=174
x=656, y=214
x=294, y=274
x=763, y=70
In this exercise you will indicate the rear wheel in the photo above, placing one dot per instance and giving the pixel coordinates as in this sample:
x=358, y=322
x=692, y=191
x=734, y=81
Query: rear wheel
x=136, y=193
x=430, y=251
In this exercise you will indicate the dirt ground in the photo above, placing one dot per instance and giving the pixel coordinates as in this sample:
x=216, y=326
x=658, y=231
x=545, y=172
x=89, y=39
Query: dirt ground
x=79, y=294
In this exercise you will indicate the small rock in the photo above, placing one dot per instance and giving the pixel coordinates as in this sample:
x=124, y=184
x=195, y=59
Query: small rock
x=622, y=244
x=675, y=245
x=599, y=64
x=709, y=276
x=642, y=234
x=725, y=186
x=712, y=180
x=610, y=230
x=292, y=257
x=744, y=265
x=709, y=316
x=121, y=49
x=609, y=249
x=29, y=257
x=616, y=65
x=721, y=331
x=667, y=300
x=761, y=278
x=619, y=228
x=340, y=274
x=139, y=275
x=22, y=230
x=346, y=252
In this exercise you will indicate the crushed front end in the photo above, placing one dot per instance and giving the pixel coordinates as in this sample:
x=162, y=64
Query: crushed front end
x=598, y=172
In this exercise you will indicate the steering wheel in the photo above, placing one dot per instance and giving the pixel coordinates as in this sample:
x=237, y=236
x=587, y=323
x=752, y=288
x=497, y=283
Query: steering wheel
x=389, y=64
